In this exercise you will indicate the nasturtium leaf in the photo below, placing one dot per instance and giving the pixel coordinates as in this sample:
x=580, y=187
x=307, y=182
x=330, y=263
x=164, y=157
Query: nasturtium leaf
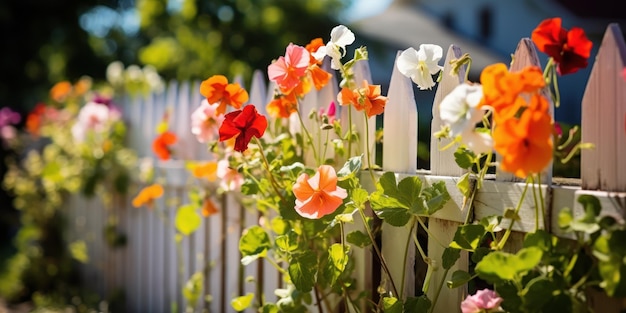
x=410, y=190
x=359, y=239
x=464, y=184
x=78, y=250
x=436, y=197
x=591, y=205
x=540, y=239
x=467, y=237
x=459, y=278
x=449, y=257
x=350, y=168
x=565, y=218
x=337, y=260
x=242, y=302
x=394, y=216
x=392, y=305
x=187, y=219
x=491, y=223
x=419, y=304
x=302, y=271
x=254, y=241
x=359, y=196
x=480, y=253
x=464, y=158
x=270, y=308
x=536, y=291
x=287, y=242
x=193, y=287
x=294, y=168
x=249, y=187
x=279, y=226
x=507, y=266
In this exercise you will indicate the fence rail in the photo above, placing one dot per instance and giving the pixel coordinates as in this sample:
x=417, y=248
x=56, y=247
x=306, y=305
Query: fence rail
x=148, y=269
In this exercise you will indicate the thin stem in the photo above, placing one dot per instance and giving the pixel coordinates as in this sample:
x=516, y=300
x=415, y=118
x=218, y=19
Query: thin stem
x=267, y=167
x=430, y=235
x=419, y=247
x=367, y=147
x=377, y=250
x=439, y=287
x=542, y=203
x=406, y=256
x=309, y=137
x=536, y=205
x=510, y=228
x=349, y=130
x=320, y=308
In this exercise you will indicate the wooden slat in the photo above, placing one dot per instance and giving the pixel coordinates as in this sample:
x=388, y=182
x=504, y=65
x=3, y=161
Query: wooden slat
x=442, y=163
x=361, y=73
x=604, y=117
x=400, y=156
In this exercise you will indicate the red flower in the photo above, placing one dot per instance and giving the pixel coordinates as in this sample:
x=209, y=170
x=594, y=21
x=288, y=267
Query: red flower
x=161, y=145
x=569, y=49
x=244, y=124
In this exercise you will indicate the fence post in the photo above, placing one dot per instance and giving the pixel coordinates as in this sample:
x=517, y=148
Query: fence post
x=442, y=163
x=400, y=156
x=602, y=169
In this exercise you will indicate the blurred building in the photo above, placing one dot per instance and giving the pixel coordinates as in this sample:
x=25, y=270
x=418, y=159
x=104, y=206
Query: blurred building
x=487, y=29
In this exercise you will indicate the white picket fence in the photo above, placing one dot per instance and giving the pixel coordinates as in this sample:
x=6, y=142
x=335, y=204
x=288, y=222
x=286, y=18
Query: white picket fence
x=147, y=268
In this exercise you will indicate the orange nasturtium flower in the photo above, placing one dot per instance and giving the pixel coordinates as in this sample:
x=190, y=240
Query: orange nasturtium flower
x=147, y=195
x=60, y=91
x=525, y=143
x=367, y=98
x=206, y=170
x=217, y=90
x=502, y=89
x=312, y=47
x=570, y=50
x=161, y=145
x=208, y=207
x=319, y=195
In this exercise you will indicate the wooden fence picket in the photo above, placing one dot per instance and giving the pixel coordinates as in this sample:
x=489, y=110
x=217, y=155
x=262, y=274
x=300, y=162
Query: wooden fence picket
x=443, y=164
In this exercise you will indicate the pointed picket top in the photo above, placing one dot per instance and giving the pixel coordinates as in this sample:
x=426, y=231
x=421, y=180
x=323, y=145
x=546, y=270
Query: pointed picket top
x=258, y=91
x=526, y=55
x=604, y=117
x=400, y=125
x=442, y=161
x=362, y=73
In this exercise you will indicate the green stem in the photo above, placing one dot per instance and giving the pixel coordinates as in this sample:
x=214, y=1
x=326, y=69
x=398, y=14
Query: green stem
x=383, y=263
x=536, y=205
x=542, y=203
x=430, y=235
x=439, y=287
x=309, y=137
x=267, y=168
x=510, y=228
x=367, y=147
x=406, y=256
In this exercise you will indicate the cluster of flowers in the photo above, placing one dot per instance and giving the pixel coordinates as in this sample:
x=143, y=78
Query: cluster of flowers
x=507, y=112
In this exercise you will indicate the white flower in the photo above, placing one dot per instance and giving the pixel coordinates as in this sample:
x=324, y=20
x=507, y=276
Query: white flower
x=459, y=109
x=477, y=141
x=460, y=112
x=340, y=37
x=420, y=65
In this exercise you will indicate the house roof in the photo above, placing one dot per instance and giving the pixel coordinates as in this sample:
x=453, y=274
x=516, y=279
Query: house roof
x=405, y=26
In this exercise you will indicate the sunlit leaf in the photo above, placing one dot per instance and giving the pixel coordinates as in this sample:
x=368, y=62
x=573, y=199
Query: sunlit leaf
x=242, y=302
x=187, y=219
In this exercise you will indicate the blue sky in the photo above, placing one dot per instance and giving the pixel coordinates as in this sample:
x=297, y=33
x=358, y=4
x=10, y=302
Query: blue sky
x=364, y=8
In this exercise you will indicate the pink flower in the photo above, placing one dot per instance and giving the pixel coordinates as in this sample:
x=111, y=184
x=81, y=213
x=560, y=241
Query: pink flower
x=94, y=117
x=288, y=70
x=330, y=112
x=483, y=301
x=205, y=121
x=230, y=179
x=319, y=195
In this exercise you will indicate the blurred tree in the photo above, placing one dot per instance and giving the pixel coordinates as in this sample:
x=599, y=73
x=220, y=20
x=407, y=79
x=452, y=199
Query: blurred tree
x=43, y=43
x=193, y=39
